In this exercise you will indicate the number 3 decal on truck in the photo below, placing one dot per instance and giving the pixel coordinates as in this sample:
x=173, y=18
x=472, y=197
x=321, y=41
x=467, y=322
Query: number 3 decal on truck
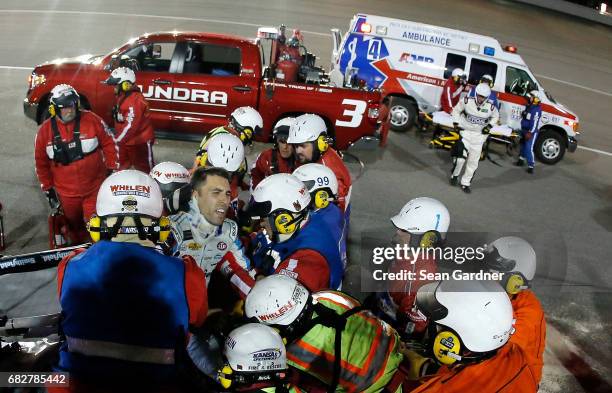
x=355, y=112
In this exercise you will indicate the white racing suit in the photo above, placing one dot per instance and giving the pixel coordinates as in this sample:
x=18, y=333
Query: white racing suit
x=472, y=118
x=206, y=243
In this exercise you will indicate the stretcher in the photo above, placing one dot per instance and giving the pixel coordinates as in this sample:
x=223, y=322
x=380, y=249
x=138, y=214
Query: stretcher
x=445, y=135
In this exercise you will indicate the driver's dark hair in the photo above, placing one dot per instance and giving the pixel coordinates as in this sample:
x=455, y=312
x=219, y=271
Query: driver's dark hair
x=200, y=175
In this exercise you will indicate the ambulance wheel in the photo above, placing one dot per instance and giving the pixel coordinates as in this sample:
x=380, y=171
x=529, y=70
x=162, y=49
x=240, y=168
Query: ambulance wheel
x=403, y=114
x=549, y=147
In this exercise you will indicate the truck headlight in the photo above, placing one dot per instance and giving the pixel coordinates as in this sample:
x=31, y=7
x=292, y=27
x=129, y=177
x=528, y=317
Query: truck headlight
x=36, y=80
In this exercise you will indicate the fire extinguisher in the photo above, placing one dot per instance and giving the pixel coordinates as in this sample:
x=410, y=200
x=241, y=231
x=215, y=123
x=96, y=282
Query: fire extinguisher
x=58, y=229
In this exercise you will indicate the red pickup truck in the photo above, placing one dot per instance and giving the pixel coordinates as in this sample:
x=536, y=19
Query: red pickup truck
x=194, y=80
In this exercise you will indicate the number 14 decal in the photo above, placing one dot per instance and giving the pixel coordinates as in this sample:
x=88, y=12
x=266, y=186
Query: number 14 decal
x=355, y=111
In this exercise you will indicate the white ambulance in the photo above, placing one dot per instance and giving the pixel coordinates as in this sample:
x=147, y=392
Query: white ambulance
x=411, y=62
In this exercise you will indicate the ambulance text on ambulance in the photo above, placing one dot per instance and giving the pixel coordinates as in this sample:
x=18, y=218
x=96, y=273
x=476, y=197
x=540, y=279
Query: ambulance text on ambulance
x=427, y=38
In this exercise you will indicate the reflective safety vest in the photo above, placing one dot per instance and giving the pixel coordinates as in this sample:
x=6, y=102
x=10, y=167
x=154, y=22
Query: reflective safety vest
x=124, y=312
x=317, y=236
x=369, y=348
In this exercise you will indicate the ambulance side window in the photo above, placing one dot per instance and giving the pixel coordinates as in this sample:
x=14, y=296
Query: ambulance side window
x=453, y=61
x=211, y=59
x=150, y=57
x=518, y=81
x=478, y=68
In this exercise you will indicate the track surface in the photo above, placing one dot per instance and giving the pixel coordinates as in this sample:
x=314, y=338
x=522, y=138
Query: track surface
x=565, y=209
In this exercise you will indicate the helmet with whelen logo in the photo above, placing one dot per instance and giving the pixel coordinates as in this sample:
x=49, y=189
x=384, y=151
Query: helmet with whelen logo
x=129, y=202
x=170, y=176
x=534, y=97
x=472, y=318
x=488, y=79
x=283, y=200
x=514, y=257
x=225, y=151
x=64, y=96
x=122, y=77
x=320, y=181
x=254, y=353
x=426, y=219
x=277, y=300
x=247, y=122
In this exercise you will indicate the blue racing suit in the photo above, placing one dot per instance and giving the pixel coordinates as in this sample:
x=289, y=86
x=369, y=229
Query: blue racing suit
x=335, y=219
x=530, y=125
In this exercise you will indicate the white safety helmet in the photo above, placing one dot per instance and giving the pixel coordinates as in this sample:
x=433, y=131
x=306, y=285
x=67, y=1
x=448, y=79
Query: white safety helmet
x=255, y=347
x=225, y=151
x=129, y=192
x=63, y=96
x=307, y=128
x=535, y=95
x=488, y=78
x=479, y=312
x=458, y=72
x=282, y=192
x=276, y=300
x=483, y=90
x=320, y=181
x=514, y=257
x=120, y=75
x=170, y=176
x=421, y=215
x=246, y=117
x=282, y=127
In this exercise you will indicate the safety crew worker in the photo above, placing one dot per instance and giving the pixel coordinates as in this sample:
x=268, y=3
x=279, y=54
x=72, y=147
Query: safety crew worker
x=74, y=152
x=322, y=185
x=227, y=151
x=451, y=92
x=421, y=224
x=293, y=241
x=470, y=329
x=330, y=336
x=126, y=307
x=134, y=133
x=312, y=144
x=204, y=232
x=475, y=116
x=244, y=123
x=488, y=79
x=255, y=361
x=170, y=176
x=516, y=258
x=279, y=158
x=530, y=125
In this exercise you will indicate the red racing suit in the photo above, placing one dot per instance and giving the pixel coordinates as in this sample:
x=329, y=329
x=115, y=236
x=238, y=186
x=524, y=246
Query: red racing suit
x=134, y=132
x=530, y=332
x=76, y=183
x=333, y=161
x=403, y=293
x=450, y=95
x=270, y=162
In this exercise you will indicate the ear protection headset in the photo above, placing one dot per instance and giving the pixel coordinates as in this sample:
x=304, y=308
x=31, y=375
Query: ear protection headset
x=426, y=240
x=125, y=86
x=285, y=222
x=514, y=282
x=323, y=142
x=53, y=110
x=320, y=199
x=447, y=347
x=157, y=232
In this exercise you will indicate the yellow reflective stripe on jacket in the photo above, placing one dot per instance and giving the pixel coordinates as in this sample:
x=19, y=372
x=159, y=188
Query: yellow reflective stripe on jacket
x=370, y=348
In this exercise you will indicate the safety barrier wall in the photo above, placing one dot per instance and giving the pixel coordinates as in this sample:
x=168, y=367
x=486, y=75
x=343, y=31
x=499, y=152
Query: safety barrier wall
x=573, y=9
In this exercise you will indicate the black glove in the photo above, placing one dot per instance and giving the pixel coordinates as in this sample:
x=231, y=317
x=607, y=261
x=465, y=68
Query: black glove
x=179, y=200
x=486, y=129
x=456, y=127
x=52, y=198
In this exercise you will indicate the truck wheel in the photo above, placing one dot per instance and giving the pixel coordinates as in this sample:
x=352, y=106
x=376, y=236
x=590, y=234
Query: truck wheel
x=549, y=147
x=402, y=113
